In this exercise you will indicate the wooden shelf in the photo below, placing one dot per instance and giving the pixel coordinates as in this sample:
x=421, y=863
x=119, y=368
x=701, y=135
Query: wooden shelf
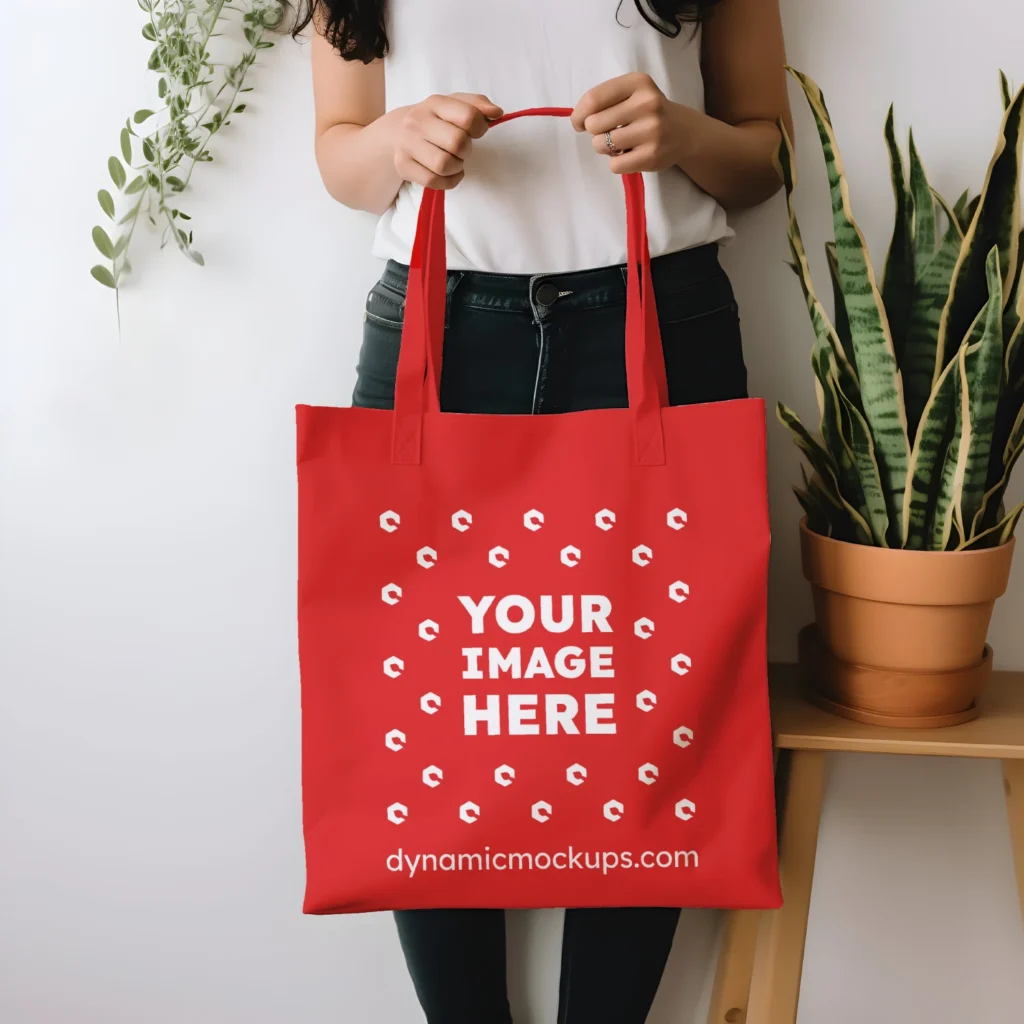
x=761, y=959
x=998, y=732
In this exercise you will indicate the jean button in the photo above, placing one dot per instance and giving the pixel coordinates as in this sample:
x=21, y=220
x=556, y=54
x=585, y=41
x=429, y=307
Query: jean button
x=547, y=294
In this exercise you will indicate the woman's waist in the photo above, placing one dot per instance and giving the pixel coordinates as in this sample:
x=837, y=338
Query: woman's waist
x=693, y=271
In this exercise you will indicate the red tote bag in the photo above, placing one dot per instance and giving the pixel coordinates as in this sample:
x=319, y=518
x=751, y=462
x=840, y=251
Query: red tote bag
x=533, y=647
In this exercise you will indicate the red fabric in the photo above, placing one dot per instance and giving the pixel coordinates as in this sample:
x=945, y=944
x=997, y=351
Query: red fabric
x=533, y=648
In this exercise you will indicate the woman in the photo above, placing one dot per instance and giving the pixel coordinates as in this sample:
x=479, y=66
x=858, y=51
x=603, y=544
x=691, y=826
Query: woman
x=405, y=92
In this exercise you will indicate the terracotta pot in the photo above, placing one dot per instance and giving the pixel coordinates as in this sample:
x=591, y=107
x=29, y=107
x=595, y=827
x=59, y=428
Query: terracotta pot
x=879, y=696
x=918, y=618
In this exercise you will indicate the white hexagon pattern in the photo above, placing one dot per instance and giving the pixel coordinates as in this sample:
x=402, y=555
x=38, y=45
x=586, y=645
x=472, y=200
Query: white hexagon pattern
x=685, y=809
x=570, y=556
x=681, y=664
x=430, y=703
x=613, y=810
x=645, y=700
x=682, y=737
x=676, y=519
x=428, y=629
x=642, y=554
x=644, y=628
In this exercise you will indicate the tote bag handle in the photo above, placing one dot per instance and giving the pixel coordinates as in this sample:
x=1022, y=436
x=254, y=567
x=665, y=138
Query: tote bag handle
x=419, y=365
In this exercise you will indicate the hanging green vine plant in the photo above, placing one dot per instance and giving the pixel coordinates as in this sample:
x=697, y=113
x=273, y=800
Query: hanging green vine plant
x=160, y=150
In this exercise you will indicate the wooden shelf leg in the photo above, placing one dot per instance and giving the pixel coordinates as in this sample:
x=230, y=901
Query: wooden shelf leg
x=735, y=965
x=1013, y=782
x=779, y=952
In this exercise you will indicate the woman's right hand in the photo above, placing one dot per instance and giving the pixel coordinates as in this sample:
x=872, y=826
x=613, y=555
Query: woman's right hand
x=434, y=137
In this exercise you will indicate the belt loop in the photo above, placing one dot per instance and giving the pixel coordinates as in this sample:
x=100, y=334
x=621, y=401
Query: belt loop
x=453, y=282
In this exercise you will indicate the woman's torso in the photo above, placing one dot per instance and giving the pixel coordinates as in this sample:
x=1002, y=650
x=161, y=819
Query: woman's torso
x=536, y=198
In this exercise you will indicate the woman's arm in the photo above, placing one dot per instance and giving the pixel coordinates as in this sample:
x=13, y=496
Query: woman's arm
x=364, y=154
x=729, y=151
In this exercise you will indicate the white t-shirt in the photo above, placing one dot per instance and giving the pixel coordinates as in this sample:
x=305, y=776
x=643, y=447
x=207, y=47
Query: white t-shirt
x=536, y=197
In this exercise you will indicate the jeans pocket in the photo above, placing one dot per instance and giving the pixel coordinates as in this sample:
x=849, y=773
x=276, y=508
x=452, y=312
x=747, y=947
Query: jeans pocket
x=704, y=358
x=378, y=364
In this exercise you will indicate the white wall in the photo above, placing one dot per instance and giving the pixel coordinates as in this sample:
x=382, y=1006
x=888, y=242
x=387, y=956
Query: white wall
x=150, y=856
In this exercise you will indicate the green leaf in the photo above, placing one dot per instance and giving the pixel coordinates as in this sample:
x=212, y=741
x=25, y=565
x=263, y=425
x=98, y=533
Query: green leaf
x=969, y=211
x=840, y=318
x=106, y=202
x=819, y=510
x=978, y=380
x=825, y=468
x=930, y=445
x=960, y=209
x=1008, y=460
x=877, y=371
x=142, y=115
x=176, y=183
x=239, y=108
x=951, y=478
x=930, y=296
x=925, y=239
x=117, y=175
x=996, y=535
x=985, y=366
x=103, y=242
x=835, y=429
x=136, y=185
x=1014, y=314
x=104, y=276
x=148, y=32
x=147, y=150
x=131, y=214
x=161, y=89
x=195, y=257
x=898, y=273
x=126, y=145
x=823, y=329
x=121, y=244
x=855, y=437
x=996, y=223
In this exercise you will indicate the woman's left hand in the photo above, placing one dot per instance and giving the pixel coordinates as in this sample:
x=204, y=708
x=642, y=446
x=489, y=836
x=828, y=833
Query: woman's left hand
x=647, y=131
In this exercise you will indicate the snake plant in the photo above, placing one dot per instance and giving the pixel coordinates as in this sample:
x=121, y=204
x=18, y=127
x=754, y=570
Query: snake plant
x=920, y=376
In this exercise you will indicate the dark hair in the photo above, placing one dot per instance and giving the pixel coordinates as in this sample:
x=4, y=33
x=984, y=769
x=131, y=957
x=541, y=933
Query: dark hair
x=357, y=29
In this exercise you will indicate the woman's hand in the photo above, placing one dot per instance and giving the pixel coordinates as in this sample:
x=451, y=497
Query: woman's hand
x=648, y=132
x=433, y=138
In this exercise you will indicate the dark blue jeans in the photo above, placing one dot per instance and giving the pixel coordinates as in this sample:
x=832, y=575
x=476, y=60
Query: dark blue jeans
x=544, y=344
